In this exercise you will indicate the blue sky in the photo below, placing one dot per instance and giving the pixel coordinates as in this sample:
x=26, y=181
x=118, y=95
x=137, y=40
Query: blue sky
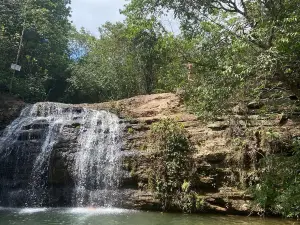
x=91, y=14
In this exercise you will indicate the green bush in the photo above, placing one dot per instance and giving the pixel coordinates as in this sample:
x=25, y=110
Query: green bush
x=172, y=165
x=278, y=191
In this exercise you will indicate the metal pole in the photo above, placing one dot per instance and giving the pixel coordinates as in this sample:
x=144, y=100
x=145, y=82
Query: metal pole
x=18, y=55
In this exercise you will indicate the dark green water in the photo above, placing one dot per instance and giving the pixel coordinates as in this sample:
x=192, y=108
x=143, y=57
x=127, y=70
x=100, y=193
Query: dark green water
x=104, y=216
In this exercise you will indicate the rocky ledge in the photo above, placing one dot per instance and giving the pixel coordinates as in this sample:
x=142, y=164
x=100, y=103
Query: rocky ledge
x=221, y=166
x=10, y=108
x=217, y=158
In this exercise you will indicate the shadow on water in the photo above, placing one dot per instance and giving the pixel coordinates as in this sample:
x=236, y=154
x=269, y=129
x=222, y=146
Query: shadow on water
x=114, y=216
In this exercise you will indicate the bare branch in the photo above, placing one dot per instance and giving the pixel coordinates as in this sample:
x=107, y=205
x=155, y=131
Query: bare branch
x=244, y=7
x=221, y=6
x=250, y=40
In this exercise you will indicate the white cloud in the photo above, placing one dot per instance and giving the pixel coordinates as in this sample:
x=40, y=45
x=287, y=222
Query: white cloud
x=91, y=14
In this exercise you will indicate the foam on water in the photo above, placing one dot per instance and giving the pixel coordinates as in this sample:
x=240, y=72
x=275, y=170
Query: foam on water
x=88, y=211
x=32, y=210
x=98, y=211
x=6, y=209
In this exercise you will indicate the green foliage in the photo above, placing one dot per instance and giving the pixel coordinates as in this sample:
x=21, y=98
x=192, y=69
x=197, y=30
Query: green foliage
x=279, y=188
x=80, y=43
x=199, y=202
x=44, y=48
x=171, y=137
x=130, y=130
x=105, y=72
x=130, y=58
x=185, y=186
x=239, y=49
x=172, y=165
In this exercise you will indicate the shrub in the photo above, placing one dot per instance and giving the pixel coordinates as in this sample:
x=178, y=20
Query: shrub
x=172, y=164
x=278, y=191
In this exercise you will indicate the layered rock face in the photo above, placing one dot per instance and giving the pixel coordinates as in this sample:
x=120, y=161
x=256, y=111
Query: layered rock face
x=226, y=154
x=10, y=109
x=221, y=166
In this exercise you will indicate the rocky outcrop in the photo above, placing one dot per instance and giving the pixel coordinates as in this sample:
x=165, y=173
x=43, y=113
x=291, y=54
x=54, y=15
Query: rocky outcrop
x=225, y=155
x=222, y=165
x=10, y=108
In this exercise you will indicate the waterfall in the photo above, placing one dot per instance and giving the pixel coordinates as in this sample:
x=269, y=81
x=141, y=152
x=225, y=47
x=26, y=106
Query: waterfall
x=97, y=161
x=29, y=147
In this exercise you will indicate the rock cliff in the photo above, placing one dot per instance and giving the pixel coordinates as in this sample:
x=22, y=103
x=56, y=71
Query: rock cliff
x=223, y=167
x=226, y=150
x=10, y=108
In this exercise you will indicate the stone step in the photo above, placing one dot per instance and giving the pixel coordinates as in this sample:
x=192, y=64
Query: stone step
x=39, y=124
x=30, y=135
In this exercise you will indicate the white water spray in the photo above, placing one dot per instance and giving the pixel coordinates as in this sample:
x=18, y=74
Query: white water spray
x=96, y=168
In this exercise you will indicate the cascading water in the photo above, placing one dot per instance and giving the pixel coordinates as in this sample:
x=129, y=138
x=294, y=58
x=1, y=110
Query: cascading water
x=97, y=162
x=29, y=149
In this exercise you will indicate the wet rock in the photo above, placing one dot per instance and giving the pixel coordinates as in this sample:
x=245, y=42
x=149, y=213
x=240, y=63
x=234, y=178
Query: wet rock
x=10, y=108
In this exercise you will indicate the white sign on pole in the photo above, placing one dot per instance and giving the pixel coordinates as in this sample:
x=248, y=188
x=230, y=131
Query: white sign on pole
x=15, y=67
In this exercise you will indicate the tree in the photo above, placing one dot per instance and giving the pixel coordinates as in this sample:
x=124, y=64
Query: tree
x=10, y=12
x=130, y=58
x=144, y=39
x=265, y=31
x=44, y=50
x=80, y=43
x=107, y=70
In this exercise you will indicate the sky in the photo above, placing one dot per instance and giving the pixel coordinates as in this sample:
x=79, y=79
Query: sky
x=91, y=14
